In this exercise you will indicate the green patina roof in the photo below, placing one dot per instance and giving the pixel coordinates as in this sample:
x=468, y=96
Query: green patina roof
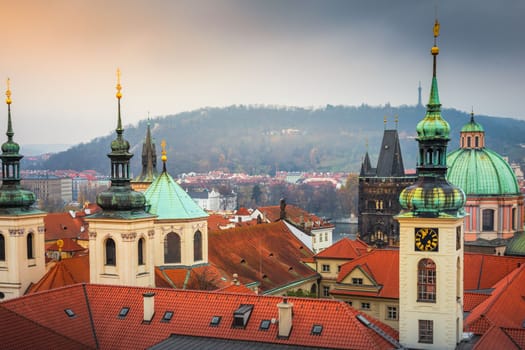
x=481, y=172
x=433, y=126
x=168, y=200
x=517, y=245
x=472, y=126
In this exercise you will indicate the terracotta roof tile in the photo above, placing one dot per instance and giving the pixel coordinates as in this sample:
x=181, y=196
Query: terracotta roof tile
x=47, y=310
x=345, y=248
x=19, y=332
x=382, y=265
x=294, y=214
x=63, y=273
x=482, y=271
x=517, y=335
x=471, y=300
x=495, y=338
x=193, y=311
x=504, y=308
x=242, y=211
x=234, y=288
x=268, y=253
x=63, y=225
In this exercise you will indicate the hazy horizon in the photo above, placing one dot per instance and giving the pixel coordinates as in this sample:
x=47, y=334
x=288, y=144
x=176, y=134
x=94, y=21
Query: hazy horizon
x=178, y=56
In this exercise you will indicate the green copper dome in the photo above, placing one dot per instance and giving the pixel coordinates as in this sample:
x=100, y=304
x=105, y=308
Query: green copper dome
x=428, y=197
x=166, y=199
x=472, y=126
x=481, y=172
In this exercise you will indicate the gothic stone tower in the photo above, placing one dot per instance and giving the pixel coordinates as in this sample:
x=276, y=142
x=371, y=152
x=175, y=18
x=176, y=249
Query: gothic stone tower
x=121, y=236
x=431, y=247
x=22, y=259
x=379, y=190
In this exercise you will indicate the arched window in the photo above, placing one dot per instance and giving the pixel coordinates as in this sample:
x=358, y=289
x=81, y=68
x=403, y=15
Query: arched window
x=110, y=252
x=488, y=220
x=197, y=246
x=30, y=243
x=2, y=248
x=476, y=141
x=426, y=281
x=140, y=251
x=172, y=248
x=513, y=218
x=468, y=142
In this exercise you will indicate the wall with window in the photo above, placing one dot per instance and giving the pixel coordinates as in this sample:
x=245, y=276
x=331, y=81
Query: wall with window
x=22, y=254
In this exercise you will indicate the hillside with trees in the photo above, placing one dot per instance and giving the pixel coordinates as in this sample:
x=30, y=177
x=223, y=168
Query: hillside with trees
x=263, y=139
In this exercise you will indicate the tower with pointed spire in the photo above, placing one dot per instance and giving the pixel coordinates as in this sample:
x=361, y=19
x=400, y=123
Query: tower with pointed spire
x=149, y=163
x=22, y=259
x=431, y=243
x=121, y=235
x=379, y=190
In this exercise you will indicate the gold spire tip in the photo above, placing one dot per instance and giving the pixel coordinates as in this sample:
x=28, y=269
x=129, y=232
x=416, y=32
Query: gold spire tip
x=164, y=158
x=436, y=28
x=8, y=92
x=119, y=87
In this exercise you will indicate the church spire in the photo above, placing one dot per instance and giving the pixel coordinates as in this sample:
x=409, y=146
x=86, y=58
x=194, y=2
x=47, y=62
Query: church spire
x=11, y=194
x=432, y=194
x=120, y=196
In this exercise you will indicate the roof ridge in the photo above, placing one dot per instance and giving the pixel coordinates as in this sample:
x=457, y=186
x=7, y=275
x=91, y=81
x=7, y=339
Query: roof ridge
x=92, y=322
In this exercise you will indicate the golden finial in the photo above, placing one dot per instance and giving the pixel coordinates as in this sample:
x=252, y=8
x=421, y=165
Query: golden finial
x=119, y=87
x=436, y=29
x=384, y=120
x=164, y=158
x=8, y=92
x=396, y=120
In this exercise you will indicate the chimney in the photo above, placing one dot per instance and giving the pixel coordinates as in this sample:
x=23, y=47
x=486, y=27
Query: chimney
x=149, y=306
x=285, y=318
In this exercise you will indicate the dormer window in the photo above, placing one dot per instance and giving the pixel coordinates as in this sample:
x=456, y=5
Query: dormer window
x=242, y=315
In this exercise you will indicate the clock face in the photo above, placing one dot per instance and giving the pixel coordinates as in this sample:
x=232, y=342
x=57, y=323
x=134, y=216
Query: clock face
x=426, y=239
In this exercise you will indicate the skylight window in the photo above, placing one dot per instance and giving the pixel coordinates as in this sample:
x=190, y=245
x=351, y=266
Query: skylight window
x=265, y=325
x=168, y=315
x=215, y=320
x=123, y=312
x=317, y=329
x=70, y=313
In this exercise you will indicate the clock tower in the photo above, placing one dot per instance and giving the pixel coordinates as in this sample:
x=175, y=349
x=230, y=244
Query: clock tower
x=431, y=239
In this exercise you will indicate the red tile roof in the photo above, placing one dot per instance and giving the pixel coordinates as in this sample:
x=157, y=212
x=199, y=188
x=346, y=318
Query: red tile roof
x=496, y=338
x=294, y=214
x=485, y=270
x=242, y=211
x=63, y=273
x=234, y=288
x=63, y=225
x=268, y=253
x=345, y=248
x=471, y=300
x=19, y=332
x=97, y=323
x=382, y=266
x=203, y=277
x=504, y=308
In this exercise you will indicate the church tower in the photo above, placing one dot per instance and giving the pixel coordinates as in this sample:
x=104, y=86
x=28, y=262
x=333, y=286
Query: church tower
x=181, y=226
x=431, y=242
x=149, y=164
x=121, y=235
x=22, y=259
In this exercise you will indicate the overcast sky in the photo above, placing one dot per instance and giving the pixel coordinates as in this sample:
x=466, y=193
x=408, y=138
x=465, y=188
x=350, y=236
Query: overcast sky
x=177, y=56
